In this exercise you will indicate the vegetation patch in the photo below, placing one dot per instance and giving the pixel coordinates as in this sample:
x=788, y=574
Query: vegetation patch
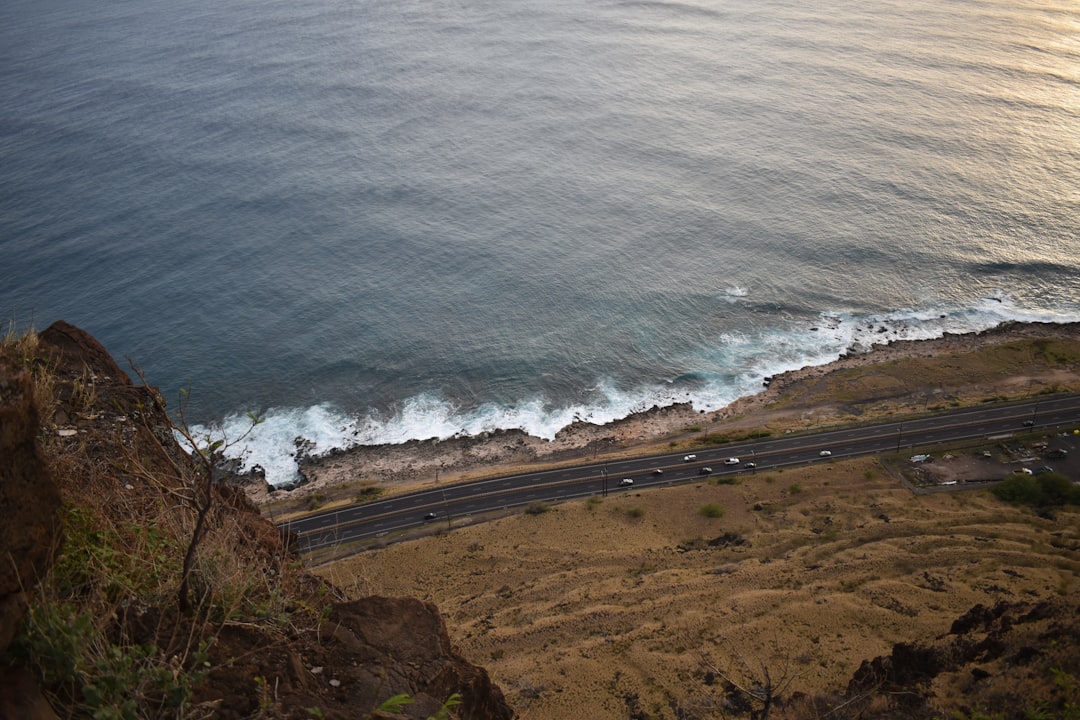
x=368, y=494
x=721, y=438
x=723, y=480
x=711, y=510
x=537, y=507
x=1046, y=490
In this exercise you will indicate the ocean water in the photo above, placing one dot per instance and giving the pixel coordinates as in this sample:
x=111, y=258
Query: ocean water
x=372, y=221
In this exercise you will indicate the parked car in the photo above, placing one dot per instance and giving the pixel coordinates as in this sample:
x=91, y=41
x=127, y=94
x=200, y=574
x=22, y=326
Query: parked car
x=626, y=481
x=731, y=461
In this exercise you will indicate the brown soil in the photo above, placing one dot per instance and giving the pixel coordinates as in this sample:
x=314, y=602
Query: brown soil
x=640, y=595
x=637, y=604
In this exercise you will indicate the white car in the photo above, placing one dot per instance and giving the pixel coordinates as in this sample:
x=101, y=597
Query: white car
x=626, y=481
x=689, y=458
x=825, y=453
x=731, y=461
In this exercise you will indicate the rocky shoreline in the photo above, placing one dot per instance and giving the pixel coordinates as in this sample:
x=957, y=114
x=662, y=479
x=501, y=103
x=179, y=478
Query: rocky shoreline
x=428, y=462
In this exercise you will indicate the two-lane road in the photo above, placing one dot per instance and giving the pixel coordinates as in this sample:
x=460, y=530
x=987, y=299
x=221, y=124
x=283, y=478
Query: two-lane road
x=407, y=511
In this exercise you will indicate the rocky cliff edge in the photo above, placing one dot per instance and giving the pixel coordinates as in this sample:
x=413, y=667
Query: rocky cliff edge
x=99, y=506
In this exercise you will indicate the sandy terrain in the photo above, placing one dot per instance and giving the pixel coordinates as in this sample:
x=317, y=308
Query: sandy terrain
x=632, y=605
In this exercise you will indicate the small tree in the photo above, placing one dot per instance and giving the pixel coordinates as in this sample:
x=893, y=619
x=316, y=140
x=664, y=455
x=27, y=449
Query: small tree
x=208, y=457
x=199, y=476
x=751, y=687
x=1046, y=490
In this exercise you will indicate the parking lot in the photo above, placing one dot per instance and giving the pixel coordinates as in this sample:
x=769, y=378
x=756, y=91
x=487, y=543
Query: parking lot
x=995, y=460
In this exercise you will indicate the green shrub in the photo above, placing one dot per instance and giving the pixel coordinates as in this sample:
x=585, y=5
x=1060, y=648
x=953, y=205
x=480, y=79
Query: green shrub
x=1047, y=490
x=70, y=639
x=711, y=510
x=723, y=438
x=724, y=480
x=368, y=494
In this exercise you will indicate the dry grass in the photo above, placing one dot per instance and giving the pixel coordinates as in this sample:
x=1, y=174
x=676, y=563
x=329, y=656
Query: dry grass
x=104, y=634
x=592, y=604
x=627, y=605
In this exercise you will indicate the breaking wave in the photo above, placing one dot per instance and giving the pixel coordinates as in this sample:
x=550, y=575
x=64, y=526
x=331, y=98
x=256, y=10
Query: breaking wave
x=734, y=366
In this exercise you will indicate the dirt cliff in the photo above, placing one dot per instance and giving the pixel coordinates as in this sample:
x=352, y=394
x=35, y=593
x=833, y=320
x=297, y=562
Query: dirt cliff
x=90, y=455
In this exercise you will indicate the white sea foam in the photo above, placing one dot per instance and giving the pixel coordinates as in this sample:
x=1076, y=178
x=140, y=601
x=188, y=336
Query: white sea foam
x=732, y=368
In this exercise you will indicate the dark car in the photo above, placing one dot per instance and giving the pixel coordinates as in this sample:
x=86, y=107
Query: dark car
x=750, y=465
x=704, y=471
x=431, y=516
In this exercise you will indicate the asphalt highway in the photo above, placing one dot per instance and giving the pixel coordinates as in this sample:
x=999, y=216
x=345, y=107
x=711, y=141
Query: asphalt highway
x=443, y=504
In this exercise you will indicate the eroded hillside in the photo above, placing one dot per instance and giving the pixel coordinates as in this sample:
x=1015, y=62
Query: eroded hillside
x=103, y=632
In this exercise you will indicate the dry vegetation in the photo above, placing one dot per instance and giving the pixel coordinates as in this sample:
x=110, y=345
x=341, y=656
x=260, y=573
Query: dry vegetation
x=630, y=601
x=640, y=604
x=105, y=635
